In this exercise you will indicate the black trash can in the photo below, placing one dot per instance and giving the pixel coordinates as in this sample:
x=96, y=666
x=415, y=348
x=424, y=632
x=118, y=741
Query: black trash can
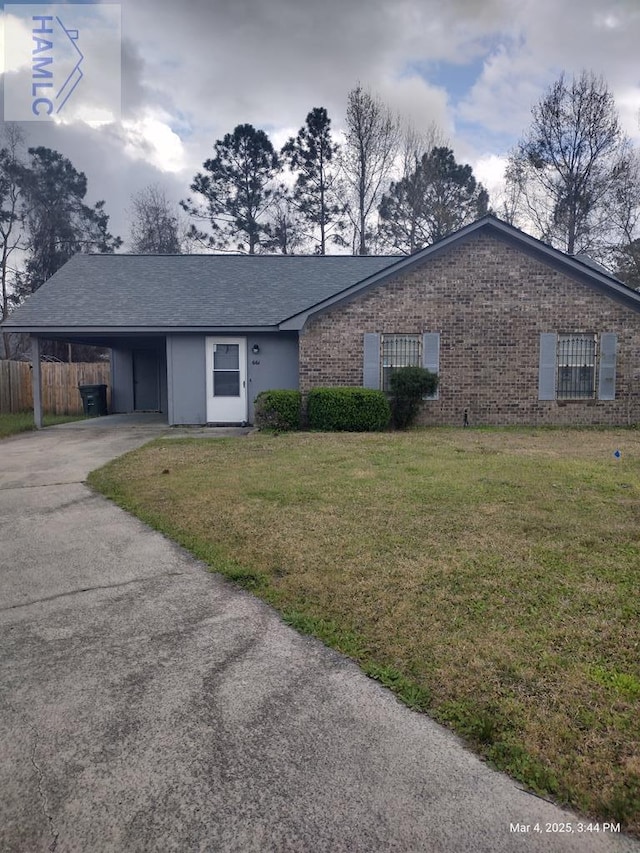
x=94, y=399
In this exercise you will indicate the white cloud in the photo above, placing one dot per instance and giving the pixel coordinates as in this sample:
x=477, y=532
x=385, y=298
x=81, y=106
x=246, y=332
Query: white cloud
x=501, y=100
x=150, y=138
x=540, y=42
x=418, y=103
x=489, y=170
x=628, y=102
x=14, y=34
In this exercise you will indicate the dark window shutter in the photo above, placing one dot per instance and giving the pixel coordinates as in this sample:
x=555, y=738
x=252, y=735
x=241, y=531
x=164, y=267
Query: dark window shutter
x=607, y=376
x=547, y=367
x=371, y=367
x=431, y=357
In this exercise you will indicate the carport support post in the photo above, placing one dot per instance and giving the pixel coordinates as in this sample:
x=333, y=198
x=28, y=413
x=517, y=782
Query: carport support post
x=37, y=381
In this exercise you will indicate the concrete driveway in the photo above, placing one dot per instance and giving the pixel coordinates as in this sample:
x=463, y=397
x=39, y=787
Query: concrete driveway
x=148, y=705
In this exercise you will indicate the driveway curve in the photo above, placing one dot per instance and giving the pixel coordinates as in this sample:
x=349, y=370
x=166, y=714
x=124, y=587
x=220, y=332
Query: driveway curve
x=148, y=705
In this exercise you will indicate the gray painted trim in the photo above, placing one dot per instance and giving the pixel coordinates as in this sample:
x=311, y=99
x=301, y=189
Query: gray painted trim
x=431, y=358
x=547, y=366
x=610, y=285
x=169, y=352
x=607, y=373
x=119, y=331
x=36, y=378
x=371, y=365
x=111, y=378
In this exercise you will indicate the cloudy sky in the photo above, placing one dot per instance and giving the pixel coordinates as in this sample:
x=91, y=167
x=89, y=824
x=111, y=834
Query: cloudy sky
x=193, y=70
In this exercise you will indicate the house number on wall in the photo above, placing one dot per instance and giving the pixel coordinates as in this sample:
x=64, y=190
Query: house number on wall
x=256, y=361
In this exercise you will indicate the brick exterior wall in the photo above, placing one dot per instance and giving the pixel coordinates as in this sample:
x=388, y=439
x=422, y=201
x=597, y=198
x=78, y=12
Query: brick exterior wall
x=490, y=301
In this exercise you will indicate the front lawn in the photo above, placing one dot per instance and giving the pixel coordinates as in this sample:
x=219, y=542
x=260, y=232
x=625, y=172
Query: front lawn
x=489, y=577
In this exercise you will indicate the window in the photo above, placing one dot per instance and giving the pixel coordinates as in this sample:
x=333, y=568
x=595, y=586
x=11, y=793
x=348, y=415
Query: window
x=399, y=351
x=226, y=370
x=577, y=366
x=576, y=363
x=383, y=353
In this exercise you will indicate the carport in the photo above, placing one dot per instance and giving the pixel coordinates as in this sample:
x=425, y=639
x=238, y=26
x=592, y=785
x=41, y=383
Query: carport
x=138, y=371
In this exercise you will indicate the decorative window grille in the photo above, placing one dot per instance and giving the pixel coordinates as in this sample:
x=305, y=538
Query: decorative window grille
x=399, y=351
x=576, y=366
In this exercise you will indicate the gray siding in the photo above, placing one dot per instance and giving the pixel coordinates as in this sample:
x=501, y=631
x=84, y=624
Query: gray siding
x=186, y=379
x=121, y=380
x=275, y=366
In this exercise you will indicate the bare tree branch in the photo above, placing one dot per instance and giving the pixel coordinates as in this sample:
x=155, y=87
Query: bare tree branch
x=564, y=170
x=368, y=158
x=154, y=223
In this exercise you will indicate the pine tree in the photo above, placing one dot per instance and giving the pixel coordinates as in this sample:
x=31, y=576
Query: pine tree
x=237, y=191
x=311, y=156
x=437, y=198
x=57, y=221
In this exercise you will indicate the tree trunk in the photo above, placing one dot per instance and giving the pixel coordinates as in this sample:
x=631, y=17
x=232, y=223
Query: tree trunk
x=322, y=217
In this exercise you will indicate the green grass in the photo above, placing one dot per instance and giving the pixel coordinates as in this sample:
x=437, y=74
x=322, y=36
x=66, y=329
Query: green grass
x=23, y=422
x=487, y=577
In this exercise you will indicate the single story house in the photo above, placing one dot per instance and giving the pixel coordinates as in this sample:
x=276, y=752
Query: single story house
x=518, y=332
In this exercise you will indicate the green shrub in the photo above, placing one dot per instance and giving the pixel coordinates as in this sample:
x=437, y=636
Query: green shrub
x=348, y=409
x=408, y=387
x=278, y=410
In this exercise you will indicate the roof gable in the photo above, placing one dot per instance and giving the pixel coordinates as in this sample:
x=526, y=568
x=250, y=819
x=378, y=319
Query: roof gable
x=587, y=271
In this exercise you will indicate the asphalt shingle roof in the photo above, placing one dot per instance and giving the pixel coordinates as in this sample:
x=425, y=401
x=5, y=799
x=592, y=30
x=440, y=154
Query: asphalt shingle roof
x=139, y=292
x=173, y=291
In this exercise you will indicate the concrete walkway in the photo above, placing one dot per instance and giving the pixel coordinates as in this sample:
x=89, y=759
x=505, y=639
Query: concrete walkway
x=148, y=705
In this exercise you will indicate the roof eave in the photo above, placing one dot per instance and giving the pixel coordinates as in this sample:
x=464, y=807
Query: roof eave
x=123, y=331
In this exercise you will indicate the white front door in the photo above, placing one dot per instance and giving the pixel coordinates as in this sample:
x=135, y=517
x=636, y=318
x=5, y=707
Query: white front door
x=226, y=380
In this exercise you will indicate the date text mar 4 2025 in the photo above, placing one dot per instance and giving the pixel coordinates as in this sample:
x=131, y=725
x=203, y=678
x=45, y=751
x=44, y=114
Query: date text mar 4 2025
x=564, y=827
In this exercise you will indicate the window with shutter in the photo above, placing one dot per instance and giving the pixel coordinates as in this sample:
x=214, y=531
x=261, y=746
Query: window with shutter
x=385, y=353
x=577, y=366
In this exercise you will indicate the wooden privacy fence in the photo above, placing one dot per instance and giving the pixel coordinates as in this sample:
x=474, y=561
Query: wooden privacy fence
x=60, y=395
